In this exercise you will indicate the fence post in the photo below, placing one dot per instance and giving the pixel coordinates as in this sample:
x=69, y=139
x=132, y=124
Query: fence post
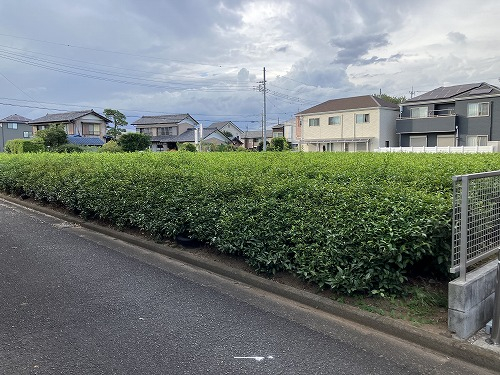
x=464, y=218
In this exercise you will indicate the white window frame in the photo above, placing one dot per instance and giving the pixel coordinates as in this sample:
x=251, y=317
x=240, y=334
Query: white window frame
x=364, y=120
x=314, y=121
x=27, y=134
x=165, y=130
x=337, y=122
x=12, y=125
x=479, y=109
x=419, y=112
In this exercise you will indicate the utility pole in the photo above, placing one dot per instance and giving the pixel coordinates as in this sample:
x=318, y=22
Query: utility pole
x=264, y=146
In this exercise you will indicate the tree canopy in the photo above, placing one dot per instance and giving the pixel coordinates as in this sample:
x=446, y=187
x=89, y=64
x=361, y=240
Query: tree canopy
x=392, y=99
x=53, y=137
x=119, y=120
x=130, y=142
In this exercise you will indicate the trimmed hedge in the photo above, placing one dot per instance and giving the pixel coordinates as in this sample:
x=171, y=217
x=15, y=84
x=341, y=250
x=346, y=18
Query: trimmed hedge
x=353, y=222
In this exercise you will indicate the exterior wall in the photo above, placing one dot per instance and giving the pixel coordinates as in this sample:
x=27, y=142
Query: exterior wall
x=381, y=127
x=452, y=115
x=183, y=126
x=7, y=134
x=387, y=130
x=233, y=130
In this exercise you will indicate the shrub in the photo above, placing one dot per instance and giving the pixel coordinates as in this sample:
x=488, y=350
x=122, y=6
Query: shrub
x=68, y=148
x=186, y=147
x=356, y=223
x=18, y=146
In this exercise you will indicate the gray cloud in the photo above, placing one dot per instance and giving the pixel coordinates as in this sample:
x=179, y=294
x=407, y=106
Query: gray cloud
x=456, y=37
x=351, y=49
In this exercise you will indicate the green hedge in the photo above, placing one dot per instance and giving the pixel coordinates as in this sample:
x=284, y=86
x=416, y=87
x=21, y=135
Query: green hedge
x=353, y=222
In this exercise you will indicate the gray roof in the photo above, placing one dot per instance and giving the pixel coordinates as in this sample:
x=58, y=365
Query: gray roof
x=85, y=141
x=221, y=124
x=257, y=134
x=356, y=102
x=66, y=117
x=162, y=119
x=458, y=91
x=15, y=118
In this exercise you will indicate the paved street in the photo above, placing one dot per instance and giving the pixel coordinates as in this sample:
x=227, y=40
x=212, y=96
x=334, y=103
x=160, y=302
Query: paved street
x=77, y=302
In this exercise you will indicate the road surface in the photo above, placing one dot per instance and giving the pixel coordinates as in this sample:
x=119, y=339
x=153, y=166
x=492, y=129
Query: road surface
x=77, y=302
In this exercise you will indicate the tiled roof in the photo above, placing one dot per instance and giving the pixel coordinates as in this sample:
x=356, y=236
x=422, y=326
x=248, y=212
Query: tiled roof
x=344, y=104
x=66, y=116
x=161, y=119
x=15, y=118
x=85, y=141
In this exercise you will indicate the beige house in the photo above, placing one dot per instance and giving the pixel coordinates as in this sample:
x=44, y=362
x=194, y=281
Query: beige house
x=362, y=123
x=87, y=124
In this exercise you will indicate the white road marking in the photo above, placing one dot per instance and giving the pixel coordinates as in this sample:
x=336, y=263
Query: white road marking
x=256, y=358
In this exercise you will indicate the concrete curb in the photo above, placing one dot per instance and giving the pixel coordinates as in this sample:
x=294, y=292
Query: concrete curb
x=448, y=346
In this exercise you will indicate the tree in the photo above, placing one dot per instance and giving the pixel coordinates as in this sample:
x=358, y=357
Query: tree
x=392, y=99
x=130, y=142
x=227, y=133
x=119, y=120
x=186, y=147
x=53, y=137
x=111, y=146
x=279, y=144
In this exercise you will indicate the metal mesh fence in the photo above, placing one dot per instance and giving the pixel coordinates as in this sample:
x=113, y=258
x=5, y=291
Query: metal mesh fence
x=476, y=219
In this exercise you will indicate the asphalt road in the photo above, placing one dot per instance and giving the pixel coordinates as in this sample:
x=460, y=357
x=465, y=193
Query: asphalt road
x=73, y=301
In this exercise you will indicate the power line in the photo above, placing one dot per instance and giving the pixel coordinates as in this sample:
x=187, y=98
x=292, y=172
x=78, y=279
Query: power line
x=108, y=51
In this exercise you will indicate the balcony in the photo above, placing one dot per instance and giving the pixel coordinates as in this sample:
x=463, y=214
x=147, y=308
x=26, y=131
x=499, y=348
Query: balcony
x=435, y=122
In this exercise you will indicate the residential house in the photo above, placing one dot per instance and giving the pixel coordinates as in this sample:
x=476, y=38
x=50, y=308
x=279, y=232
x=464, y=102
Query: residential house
x=362, y=123
x=14, y=127
x=210, y=135
x=230, y=130
x=462, y=115
x=251, y=139
x=164, y=129
x=79, y=124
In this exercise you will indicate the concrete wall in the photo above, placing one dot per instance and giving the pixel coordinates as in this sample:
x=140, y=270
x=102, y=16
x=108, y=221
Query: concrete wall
x=470, y=303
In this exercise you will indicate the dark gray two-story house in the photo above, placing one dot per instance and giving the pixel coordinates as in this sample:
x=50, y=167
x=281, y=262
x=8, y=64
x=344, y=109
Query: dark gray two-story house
x=14, y=127
x=462, y=115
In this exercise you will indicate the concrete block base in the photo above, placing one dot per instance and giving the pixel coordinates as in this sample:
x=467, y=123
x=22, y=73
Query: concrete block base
x=471, y=302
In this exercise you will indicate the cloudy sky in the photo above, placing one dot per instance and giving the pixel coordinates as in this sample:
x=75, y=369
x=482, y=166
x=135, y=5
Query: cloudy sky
x=206, y=58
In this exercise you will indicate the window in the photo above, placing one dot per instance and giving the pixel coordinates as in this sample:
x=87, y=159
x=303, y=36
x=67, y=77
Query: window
x=27, y=134
x=12, y=125
x=419, y=112
x=446, y=140
x=477, y=140
x=362, y=118
x=314, y=121
x=145, y=130
x=165, y=131
x=478, y=109
x=91, y=129
x=418, y=141
x=334, y=120
x=277, y=134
